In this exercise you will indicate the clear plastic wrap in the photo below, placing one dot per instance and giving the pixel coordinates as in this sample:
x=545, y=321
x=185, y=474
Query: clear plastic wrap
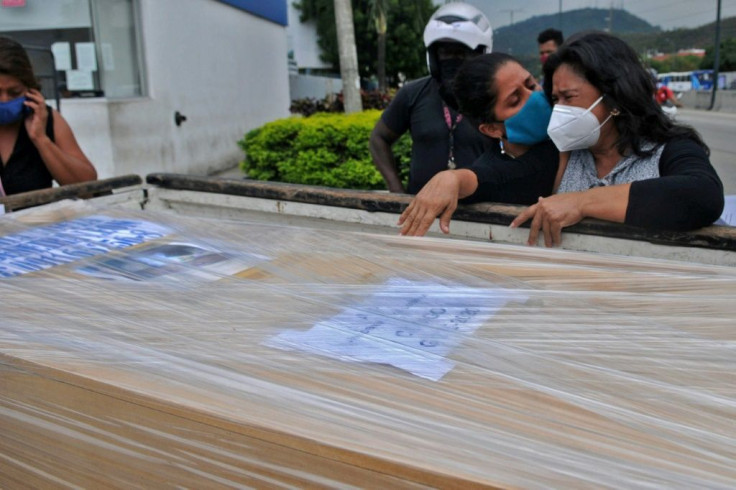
x=205, y=353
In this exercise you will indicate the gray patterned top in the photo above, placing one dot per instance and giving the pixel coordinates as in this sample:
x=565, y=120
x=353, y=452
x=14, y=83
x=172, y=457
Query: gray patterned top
x=581, y=174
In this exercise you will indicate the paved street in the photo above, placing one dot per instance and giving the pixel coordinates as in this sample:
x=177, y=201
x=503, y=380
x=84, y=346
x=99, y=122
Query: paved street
x=718, y=129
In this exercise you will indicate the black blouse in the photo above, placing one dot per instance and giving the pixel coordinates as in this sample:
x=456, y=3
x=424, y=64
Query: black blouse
x=25, y=170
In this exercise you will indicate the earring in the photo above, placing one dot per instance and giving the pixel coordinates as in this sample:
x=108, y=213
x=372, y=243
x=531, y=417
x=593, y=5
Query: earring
x=615, y=112
x=504, y=151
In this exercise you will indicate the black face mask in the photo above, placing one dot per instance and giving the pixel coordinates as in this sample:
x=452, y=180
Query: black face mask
x=447, y=71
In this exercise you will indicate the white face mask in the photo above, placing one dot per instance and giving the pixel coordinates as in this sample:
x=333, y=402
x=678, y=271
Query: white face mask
x=574, y=128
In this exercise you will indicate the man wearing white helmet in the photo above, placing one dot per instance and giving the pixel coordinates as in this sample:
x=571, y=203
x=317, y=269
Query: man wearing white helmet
x=426, y=107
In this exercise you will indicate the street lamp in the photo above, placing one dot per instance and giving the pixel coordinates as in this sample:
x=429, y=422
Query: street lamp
x=511, y=11
x=717, y=60
x=559, y=17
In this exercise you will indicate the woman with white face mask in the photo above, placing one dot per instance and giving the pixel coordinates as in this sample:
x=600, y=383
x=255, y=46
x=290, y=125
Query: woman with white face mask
x=37, y=145
x=624, y=160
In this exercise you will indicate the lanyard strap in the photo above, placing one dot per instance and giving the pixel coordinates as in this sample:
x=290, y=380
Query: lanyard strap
x=451, y=126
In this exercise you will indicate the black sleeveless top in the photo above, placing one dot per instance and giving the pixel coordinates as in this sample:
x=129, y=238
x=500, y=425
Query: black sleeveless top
x=25, y=170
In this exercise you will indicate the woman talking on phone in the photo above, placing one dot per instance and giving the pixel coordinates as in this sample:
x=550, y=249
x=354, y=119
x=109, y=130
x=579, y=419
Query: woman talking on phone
x=37, y=146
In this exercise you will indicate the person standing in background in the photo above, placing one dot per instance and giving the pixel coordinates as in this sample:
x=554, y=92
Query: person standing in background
x=441, y=138
x=548, y=40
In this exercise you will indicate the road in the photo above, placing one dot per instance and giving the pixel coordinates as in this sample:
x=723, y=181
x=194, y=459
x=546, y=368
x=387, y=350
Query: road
x=718, y=129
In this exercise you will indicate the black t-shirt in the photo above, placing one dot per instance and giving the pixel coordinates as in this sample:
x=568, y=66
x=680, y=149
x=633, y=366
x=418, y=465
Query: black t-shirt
x=687, y=195
x=521, y=180
x=418, y=108
x=25, y=171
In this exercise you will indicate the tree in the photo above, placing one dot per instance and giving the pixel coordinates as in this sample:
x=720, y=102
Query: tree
x=726, y=56
x=378, y=12
x=348, y=56
x=405, y=21
x=676, y=63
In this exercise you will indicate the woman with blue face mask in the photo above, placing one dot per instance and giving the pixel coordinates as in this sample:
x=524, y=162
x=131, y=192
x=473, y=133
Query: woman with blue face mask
x=623, y=159
x=503, y=101
x=37, y=146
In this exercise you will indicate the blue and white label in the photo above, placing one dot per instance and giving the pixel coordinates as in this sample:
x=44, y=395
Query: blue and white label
x=47, y=246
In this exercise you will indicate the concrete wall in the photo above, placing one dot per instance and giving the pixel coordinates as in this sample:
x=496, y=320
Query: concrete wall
x=725, y=100
x=223, y=68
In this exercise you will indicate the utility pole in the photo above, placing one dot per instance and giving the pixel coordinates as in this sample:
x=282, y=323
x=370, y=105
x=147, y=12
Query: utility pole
x=559, y=17
x=717, y=61
x=511, y=11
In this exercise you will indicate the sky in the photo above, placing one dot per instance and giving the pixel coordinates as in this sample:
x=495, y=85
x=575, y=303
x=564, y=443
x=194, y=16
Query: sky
x=667, y=14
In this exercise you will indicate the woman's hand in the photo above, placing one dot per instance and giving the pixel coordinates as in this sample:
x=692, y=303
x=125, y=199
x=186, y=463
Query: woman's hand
x=551, y=214
x=438, y=197
x=36, y=121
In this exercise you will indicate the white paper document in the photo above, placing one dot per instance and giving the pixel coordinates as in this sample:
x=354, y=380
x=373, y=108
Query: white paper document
x=86, y=57
x=79, y=80
x=62, y=56
x=411, y=325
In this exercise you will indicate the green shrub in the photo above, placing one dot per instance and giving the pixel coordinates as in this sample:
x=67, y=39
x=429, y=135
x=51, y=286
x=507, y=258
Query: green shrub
x=325, y=149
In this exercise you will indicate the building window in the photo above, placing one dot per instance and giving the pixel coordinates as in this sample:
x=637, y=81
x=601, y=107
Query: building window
x=79, y=48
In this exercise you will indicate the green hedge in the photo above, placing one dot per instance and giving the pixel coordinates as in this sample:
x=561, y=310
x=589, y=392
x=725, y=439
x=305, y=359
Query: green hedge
x=324, y=149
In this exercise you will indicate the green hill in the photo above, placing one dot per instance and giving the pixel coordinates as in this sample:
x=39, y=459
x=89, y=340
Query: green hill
x=520, y=39
x=675, y=40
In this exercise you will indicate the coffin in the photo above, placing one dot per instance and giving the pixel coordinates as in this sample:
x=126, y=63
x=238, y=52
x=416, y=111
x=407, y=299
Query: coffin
x=150, y=348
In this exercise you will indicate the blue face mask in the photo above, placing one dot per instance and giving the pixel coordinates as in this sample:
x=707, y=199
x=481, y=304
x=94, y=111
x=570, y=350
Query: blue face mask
x=529, y=125
x=12, y=110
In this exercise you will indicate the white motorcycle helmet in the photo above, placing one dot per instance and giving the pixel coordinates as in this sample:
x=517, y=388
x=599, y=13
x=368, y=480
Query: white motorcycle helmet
x=459, y=23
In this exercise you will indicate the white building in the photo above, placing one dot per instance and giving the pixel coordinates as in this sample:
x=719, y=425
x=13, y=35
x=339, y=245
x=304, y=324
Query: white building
x=129, y=66
x=307, y=78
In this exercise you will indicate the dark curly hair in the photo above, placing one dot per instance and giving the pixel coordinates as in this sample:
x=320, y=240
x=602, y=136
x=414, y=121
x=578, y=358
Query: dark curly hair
x=613, y=67
x=550, y=35
x=474, y=86
x=14, y=61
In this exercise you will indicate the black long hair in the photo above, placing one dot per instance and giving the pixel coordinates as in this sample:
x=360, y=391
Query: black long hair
x=14, y=62
x=475, y=88
x=613, y=67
